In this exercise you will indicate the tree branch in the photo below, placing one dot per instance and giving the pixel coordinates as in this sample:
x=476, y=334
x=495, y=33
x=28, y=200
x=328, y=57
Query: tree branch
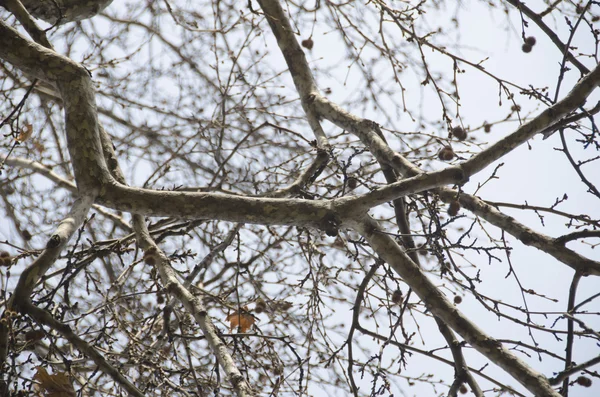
x=385, y=246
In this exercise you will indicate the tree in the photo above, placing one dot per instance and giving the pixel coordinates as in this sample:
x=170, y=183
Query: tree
x=296, y=198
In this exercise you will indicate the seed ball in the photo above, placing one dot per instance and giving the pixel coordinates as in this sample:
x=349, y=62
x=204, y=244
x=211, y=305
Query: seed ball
x=352, y=183
x=530, y=40
x=459, y=133
x=260, y=306
x=4, y=254
x=397, y=297
x=526, y=48
x=308, y=43
x=487, y=127
x=463, y=389
x=446, y=154
x=457, y=299
x=584, y=381
x=453, y=208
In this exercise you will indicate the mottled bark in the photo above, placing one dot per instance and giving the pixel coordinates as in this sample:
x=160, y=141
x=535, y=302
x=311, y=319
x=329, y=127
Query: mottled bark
x=63, y=11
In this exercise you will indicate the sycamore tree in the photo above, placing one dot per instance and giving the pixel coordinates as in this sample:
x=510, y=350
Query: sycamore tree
x=290, y=198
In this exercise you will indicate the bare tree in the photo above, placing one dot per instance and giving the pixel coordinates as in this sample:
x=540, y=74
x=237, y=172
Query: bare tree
x=293, y=198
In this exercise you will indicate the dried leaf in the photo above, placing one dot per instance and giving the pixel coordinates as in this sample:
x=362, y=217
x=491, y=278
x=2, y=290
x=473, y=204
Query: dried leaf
x=34, y=336
x=39, y=146
x=25, y=133
x=241, y=319
x=56, y=385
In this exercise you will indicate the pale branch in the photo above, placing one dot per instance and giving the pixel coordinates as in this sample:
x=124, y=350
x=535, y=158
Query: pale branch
x=34, y=272
x=435, y=301
x=296, y=60
x=194, y=306
x=552, y=210
x=63, y=11
x=392, y=191
x=462, y=374
x=171, y=283
x=537, y=19
x=91, y=169
x=43, y=317
x=76, y=89
x=370, y=134
x=63, y=183
x=574, y=369
x=19, y=11
x=57, y=242
x=307, y=175
x=574, y=99
x=41, y=169
x=430, y=354
x=281, y=211
x=521, y=232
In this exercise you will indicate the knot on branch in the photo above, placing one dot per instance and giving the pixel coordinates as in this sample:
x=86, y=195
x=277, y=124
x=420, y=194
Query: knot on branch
x=310, y=98
x=330, y=224
x=172, y=288
x=236, y=379
x=459, y=175
x=527, y=238
x=490, y=344
x=53, y=242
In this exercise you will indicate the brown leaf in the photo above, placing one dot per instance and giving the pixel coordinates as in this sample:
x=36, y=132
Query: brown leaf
x=25, y=133
x=56, y=385
x=34, y=336
x=241, y=319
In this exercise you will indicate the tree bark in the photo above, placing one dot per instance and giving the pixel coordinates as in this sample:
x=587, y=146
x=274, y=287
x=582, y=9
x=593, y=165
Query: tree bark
x=63, y=11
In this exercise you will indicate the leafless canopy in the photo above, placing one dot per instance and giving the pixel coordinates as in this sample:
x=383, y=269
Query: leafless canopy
x=281, y=197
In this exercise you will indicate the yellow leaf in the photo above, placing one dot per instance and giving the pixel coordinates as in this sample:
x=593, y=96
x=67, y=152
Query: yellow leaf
x=56, y=385
x=25, y=133
x=241, y=319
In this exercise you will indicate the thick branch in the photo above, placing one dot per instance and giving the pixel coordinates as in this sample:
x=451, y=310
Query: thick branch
x=296, y=61
x=577, y=97
x=524, y=234
x=370, y=134
x=194, y=306
x=43, y=317
x=30, y=276
x=19, y=11
x=564, y=49
x=62, y=11
x=385, y=246
x=64, y=183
